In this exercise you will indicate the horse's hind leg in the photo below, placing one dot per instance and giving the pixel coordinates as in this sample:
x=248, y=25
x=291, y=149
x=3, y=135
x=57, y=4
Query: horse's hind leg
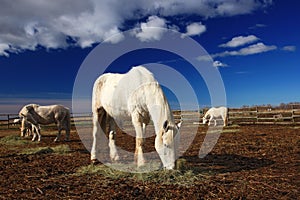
x=139, y=148
x=67, y=127
x=59, y=127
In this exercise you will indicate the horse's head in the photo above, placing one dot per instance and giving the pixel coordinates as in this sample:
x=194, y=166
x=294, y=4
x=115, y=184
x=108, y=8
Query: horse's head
x=204, y=120
x=167, y=145
x=26, y=115
x=22, y=127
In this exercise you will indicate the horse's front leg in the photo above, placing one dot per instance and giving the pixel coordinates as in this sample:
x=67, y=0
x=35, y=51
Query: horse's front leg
x=139, y=141
x=36, y=132
x=34, y=136
x=209, y=121
x=99, y=146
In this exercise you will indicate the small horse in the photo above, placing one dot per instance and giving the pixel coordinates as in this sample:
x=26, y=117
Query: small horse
x=214, y=113
x=30, y=129
x=136, y=94
x=44, y=115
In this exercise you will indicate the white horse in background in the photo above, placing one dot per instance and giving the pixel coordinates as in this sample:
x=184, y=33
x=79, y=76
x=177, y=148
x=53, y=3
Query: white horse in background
x=215, y=113
x=44, y=115
x=136, y=94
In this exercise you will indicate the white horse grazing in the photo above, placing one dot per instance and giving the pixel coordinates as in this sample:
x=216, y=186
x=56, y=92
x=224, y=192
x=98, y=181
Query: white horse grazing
x=44, y=115
x=214, y=113
x=136, y=94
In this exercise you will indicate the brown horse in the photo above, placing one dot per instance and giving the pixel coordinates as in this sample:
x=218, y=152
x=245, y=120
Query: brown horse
x=44, y=115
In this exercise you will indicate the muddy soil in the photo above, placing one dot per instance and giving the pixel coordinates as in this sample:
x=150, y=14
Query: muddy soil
x=248, y=162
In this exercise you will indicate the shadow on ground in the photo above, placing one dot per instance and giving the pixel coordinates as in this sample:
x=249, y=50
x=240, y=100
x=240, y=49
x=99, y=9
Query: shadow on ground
x=225, y=163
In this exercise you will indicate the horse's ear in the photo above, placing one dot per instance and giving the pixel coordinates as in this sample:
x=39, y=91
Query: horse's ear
x=165, y=126
x=179, y=124
x=29, y=108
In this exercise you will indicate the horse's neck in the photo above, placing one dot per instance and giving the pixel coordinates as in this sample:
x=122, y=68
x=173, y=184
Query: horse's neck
x=206, y=114
x=38, y=118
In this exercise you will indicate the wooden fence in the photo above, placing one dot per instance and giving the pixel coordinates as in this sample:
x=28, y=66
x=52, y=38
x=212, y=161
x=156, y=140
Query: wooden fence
x=265, y=115
x=253, y=115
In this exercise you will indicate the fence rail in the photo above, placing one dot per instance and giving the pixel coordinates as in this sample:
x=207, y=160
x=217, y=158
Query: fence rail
x=264, y=115
x=253, y=115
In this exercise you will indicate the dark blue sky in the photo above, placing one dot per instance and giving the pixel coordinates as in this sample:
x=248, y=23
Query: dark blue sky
x=39, y=59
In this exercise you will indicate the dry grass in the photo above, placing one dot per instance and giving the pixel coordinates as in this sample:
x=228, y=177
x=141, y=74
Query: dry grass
x=162, y=176
x=13, y=140
x=60, y=149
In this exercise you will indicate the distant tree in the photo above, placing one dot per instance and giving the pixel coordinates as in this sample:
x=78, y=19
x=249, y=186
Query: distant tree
x=282, y=106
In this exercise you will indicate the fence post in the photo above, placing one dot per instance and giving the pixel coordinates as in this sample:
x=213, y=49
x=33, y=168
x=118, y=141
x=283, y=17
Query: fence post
x=256, y=115
x=7, y=121
x=293, y=118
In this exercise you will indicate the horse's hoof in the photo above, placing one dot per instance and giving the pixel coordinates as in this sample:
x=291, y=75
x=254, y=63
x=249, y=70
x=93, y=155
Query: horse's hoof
x=95, y=162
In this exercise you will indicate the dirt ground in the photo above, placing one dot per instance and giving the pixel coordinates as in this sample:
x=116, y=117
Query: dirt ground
x=248, y=162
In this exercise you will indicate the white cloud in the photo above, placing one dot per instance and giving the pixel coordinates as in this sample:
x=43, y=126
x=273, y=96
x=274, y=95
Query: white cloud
x=151, y=30
x=250, y=50
x=3, y=49
x=204, y=58
x=289, y=48
x=217, y=63
x=256, y=26
x=28, y=24
x=240, y=41
x=193, y=29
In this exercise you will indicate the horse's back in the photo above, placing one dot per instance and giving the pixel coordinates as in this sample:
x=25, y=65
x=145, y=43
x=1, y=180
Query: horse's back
x=113, y=90
x=220, y=111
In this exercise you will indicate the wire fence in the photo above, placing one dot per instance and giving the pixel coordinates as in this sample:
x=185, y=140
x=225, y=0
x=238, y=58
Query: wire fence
x=251, y=115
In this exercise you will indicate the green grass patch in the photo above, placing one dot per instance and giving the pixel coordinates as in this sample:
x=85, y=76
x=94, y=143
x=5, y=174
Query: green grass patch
x=295, y=127
x=230, y=130
x=60, y=149
x=214, y=130
x=13, y=140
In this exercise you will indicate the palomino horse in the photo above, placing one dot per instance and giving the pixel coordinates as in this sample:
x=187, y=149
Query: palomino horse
x=45, y=115
x=138, y=95
x=214, y=113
